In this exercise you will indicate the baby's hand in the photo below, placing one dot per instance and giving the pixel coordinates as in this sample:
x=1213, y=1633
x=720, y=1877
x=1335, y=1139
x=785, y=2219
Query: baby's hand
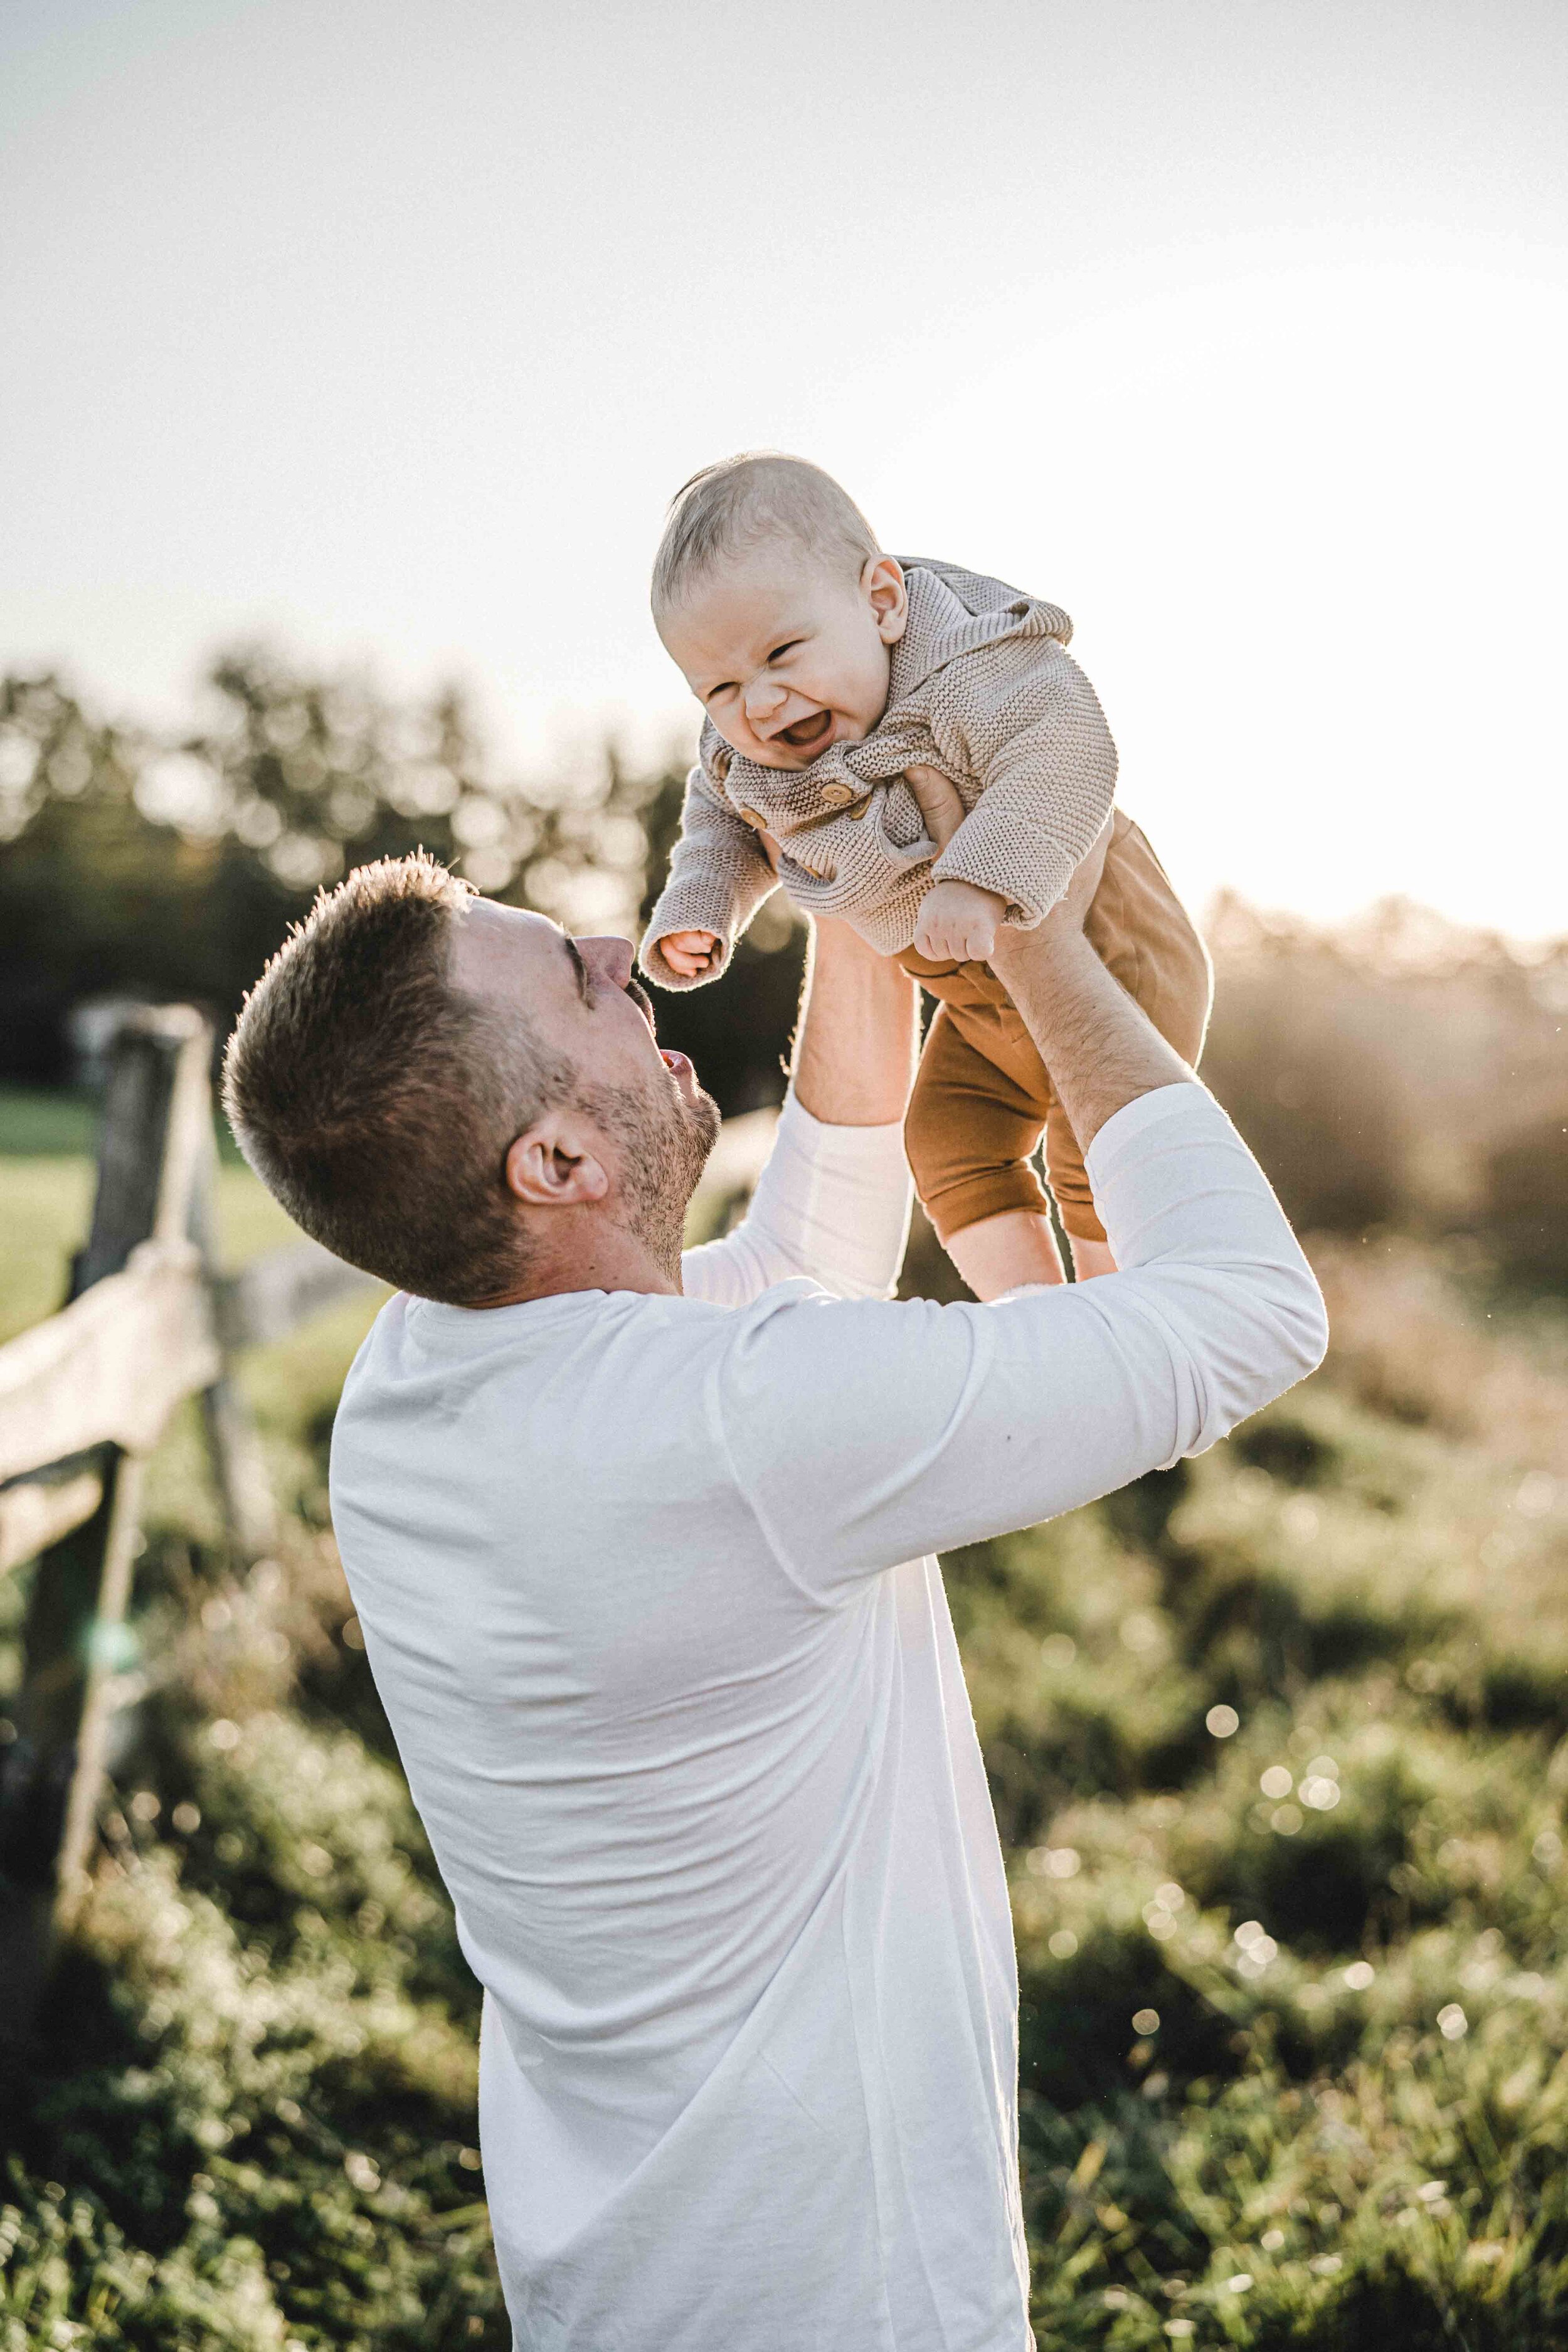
x=689, y=952
x=957, y=922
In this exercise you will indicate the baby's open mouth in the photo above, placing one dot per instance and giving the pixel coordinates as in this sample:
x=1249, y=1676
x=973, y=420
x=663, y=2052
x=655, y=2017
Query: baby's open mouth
x=807, y=734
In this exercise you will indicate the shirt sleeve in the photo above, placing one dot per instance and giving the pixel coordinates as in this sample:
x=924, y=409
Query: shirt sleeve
x=864, y=1434
x=832, y=1202
x=719, y=876
x=1037, y=738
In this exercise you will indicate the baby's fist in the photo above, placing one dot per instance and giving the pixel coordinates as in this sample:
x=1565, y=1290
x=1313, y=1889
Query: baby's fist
x=688, y=952
x=957, y=922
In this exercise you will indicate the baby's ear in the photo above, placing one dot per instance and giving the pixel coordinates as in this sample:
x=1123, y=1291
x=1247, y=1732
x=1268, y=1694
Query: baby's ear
x=882, y=585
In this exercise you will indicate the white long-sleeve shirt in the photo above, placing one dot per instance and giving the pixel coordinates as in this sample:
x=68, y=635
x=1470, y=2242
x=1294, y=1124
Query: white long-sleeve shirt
x=646, y=1586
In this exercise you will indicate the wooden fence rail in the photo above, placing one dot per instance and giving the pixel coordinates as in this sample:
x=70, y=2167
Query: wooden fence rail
x=84, y=1397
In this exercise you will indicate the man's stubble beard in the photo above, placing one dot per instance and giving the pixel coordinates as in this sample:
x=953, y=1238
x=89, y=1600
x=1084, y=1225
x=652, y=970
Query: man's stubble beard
x=665, y=1142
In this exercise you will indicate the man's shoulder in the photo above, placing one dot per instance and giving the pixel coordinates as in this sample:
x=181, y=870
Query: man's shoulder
x=385, y=1332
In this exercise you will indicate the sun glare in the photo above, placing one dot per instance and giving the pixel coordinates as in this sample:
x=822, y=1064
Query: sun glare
x=1309, y=527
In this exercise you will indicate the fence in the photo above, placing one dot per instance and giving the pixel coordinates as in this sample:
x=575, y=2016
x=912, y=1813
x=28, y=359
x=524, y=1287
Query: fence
x=84, y=1397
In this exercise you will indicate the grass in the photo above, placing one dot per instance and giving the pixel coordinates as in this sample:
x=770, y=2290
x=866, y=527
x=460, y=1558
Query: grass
x=1280, y=1749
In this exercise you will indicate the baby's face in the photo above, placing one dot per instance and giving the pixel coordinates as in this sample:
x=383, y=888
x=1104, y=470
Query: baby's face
x=787, y=657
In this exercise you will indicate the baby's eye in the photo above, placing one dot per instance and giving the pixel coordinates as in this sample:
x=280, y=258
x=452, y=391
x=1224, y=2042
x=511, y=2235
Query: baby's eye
x=779, y=651
x=715, y=693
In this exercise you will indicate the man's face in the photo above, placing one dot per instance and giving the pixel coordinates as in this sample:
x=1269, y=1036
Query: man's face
x=585, y=1009
x=785, y=656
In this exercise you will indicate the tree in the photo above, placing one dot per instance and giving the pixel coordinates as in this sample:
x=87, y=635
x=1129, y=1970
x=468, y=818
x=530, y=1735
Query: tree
x=173, y=868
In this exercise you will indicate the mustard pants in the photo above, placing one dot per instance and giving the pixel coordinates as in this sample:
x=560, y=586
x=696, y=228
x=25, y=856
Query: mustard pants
x=983, y=1097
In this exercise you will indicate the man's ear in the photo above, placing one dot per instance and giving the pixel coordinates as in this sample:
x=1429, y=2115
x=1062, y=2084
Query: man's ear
x=882, y=585
x=553, y=1165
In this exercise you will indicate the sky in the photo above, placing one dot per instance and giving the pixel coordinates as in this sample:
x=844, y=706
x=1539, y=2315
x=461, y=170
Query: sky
x=382, y=332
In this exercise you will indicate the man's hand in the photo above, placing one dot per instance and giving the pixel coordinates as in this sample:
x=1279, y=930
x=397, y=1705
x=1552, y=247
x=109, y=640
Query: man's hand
x=689, y=952
x=937, y=799
x=957, y=922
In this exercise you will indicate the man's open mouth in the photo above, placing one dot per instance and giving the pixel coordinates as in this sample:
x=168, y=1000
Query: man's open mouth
x=807, y=734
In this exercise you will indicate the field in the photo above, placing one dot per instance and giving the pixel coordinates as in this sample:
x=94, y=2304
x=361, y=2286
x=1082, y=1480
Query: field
x=1279, y=1747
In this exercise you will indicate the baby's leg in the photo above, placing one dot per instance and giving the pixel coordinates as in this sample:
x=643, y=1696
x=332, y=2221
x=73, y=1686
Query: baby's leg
x=1089, y=1258
x=1140, y=931
x=1004, y=1253
x=1091, y=1253
x=971, y=1133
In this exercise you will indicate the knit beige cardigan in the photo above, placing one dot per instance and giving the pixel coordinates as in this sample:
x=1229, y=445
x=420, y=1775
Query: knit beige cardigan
x=983, y=688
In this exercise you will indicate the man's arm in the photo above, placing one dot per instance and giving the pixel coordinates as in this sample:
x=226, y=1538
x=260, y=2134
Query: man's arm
x=855, y=1048
x=866, y=1433
x=1102, y=1049
x=833, y=1201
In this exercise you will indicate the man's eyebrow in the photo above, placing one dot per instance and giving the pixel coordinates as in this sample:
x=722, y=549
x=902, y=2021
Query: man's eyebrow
x=580, y=970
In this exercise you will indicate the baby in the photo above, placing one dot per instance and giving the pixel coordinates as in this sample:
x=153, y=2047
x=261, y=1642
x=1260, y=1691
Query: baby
x=916, y=748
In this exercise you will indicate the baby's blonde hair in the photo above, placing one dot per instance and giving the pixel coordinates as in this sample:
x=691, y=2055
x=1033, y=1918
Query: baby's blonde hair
x=741, y=502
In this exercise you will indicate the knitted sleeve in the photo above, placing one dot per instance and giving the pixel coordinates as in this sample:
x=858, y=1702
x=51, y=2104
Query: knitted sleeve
x=1029, y=727
x=719, y=876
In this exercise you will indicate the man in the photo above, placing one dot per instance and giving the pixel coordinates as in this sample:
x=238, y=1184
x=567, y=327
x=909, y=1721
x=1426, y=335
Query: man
x=641, y=1547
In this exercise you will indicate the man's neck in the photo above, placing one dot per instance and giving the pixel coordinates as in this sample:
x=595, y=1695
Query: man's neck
x=608, y=1259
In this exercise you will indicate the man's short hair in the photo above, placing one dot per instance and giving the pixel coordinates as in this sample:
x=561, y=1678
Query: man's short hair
x=740, y=503
x=375, y=1100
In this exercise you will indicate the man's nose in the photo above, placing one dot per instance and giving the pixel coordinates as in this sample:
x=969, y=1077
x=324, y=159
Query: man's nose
x=608, y=959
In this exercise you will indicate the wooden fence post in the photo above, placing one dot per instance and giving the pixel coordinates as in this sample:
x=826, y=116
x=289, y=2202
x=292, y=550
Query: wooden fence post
x=156, y=1136
x=238, y=1466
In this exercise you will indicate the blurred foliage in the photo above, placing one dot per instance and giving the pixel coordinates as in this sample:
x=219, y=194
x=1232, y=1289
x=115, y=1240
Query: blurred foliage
x=1398, y=1073
x=162, y=870
x=1279, y=1743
